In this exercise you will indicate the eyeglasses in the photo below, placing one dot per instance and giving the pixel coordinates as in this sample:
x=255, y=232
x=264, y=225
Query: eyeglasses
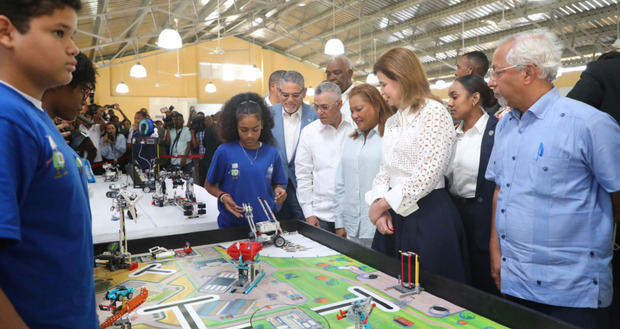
x=85, y=92
x=323, y=107
x=287, y=95
x=495, y=73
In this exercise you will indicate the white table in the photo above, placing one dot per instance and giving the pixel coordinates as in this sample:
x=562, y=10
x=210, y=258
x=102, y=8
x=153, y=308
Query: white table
x=152, y=221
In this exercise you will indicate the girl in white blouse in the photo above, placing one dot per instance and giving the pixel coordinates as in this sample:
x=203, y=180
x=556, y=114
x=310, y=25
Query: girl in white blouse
x=408, y=198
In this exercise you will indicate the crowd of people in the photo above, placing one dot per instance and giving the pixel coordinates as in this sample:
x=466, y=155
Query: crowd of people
x=511, y=187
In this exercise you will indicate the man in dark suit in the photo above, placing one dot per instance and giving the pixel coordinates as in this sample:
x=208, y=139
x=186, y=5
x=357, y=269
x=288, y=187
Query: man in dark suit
x=290, y=117
x=599, y=84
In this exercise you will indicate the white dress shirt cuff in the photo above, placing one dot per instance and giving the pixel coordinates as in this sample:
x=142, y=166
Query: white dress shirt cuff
x=307, y=209
x=394, y=198
x=377, y=192
x=339, y=223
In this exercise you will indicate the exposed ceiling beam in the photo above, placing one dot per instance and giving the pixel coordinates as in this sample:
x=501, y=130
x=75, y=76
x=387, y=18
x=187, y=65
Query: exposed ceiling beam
x=579, y=37
x=102, y=8
x=140, y=15
x=323, y=15
x=456, y=28
x=200, y=23
x=461, y=8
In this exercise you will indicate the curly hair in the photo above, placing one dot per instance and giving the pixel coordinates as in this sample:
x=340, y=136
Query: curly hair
x=245, y=104
x=85, y=72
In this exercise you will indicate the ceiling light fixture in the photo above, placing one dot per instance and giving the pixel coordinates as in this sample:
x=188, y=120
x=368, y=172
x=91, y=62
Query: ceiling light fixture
x=210, y=87
x=122, y=88
x=137, y=71
x=169, y=38
x=334, y=46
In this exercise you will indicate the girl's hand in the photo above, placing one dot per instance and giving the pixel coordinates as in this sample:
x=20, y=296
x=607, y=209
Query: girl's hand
x=280, y=194
x=231, y=206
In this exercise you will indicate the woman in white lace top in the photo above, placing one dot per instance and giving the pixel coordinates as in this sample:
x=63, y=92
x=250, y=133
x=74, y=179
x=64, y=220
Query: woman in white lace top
x=408, y=198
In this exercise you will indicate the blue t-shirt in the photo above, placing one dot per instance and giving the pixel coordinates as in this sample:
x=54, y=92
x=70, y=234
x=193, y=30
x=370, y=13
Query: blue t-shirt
x=46, y=251
x=246, y=175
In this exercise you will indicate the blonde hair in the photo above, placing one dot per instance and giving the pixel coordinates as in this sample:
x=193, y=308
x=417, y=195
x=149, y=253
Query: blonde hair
x=372, y=96
x=403, y=66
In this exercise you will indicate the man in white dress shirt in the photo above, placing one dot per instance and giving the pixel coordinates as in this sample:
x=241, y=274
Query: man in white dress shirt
x=273, y=97
x=318, y=156
x=339, y=70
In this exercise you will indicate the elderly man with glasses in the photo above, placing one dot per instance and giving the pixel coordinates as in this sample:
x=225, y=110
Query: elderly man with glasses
x=555, y=167
x=318, y=156
x=290, y=117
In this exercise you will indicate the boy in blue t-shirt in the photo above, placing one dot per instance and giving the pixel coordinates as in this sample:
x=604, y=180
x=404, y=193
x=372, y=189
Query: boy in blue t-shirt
x=46, y=252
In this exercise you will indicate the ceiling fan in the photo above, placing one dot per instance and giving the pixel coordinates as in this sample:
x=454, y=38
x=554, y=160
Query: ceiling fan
x=503, y=24
x=178, y=73
x=157, y=84
x=219, y=50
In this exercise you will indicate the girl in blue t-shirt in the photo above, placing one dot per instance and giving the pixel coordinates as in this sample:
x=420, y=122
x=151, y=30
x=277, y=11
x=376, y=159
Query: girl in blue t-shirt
x=247, y=166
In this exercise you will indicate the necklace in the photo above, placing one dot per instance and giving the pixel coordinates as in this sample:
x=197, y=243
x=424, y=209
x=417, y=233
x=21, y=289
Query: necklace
x=247, y=156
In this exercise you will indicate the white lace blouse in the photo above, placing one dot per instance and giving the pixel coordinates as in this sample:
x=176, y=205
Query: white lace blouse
x=416, y=152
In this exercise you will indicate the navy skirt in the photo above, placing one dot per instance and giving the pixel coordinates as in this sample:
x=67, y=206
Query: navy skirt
x=435, y=232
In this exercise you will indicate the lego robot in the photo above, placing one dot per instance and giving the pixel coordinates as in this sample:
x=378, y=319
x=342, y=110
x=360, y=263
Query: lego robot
x=117, y=255
x=358, y=313
x=266, y=231
x=244, y=254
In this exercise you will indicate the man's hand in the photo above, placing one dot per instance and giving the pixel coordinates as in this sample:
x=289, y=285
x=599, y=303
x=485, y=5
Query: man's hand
x=280, y=194
x=377, y=209
x=231, y=206
x=384, y=224
x=313, y=220
x=495, y=253
x=496, y=262
x=341, y=232
x=65, y=128
x=97, y=118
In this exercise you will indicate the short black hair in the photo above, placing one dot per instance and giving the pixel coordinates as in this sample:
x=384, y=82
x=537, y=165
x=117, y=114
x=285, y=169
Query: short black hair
x=85, y=72
x=478, y=61
x=245, y=104
x=609, y=55
x=275, y=76
x=20, y=12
